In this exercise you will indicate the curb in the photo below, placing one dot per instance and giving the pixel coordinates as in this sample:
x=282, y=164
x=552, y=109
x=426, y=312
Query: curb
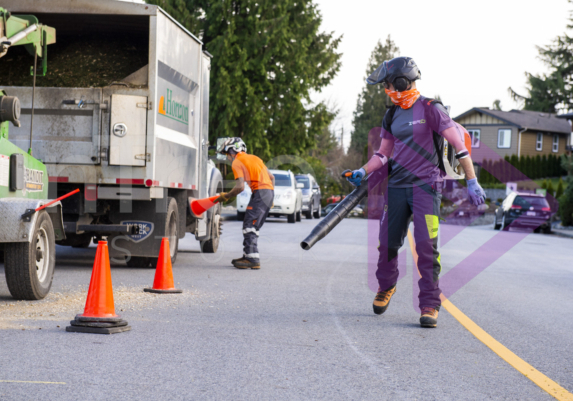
x=563, y=233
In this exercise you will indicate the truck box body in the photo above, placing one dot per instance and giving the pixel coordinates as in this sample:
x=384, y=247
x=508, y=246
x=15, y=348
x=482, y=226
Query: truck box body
x=150, y=132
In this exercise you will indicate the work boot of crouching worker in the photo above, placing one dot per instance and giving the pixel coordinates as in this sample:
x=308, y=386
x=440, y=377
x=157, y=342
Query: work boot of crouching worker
x=245, y=263
x=382, y=300
x=429, y=317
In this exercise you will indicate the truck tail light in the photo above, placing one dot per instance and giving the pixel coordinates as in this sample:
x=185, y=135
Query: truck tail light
x=90, y=193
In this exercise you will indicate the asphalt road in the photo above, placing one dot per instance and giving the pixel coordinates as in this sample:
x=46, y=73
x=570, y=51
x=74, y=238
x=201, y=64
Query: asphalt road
x=300, y=328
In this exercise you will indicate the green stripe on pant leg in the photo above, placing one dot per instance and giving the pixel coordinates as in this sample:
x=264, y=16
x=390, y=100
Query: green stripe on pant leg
x=432, y=222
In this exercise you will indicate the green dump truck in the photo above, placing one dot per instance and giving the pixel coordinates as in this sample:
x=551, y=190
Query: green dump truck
x=27, y=242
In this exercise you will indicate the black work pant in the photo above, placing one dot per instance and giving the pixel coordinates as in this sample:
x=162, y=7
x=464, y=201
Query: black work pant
x=255, y=216
x=400, y=203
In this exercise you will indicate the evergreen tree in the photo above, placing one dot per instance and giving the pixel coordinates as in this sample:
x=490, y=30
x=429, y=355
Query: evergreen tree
x=267, y=59
x=373, y=101
x=559, y=191
x=484, y=173
x=566, y=200
x=544, y=170
x=554, y=90
x=544, y=184
x=551, y=165
x=550, y=190
x=537, y=168
x=520, y=163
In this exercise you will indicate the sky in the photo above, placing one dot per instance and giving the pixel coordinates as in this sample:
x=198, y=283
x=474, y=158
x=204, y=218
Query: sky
x=469, y=53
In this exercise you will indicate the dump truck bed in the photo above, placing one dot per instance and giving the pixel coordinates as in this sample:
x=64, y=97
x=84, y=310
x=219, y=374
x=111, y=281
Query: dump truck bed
x=127, y=96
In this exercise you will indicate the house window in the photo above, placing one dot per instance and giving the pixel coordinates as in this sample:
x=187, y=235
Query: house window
x=475, y=135
x=504, y=138
x=539, y=142
x=555, y=148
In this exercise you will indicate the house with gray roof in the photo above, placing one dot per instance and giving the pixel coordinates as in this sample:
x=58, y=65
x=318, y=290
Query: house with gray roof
x=517, y=132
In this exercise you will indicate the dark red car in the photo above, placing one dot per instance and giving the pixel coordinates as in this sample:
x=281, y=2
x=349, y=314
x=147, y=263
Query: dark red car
x=524, y=210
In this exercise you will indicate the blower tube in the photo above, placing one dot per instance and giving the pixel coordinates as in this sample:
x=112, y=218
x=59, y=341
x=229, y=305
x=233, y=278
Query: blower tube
x=336, y=215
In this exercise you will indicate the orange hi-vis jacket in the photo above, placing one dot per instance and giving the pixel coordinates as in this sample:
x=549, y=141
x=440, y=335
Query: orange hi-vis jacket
x=252, y=170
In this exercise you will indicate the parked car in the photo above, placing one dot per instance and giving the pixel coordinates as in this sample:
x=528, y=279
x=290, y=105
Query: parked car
x=328, y=208
x=523, y=210
x=356, y=212
x=334, y=198
x=288, y=196
x=311, y=196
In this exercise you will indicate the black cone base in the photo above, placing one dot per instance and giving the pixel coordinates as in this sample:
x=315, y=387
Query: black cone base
x=173, y=291
x=97, y=330
x=98, y=325
x=82, y=318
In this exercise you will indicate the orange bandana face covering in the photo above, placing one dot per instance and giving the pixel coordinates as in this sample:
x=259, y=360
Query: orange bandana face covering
x=403, y=99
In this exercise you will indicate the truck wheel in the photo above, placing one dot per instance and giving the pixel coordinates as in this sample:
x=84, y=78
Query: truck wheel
x=171, y=228
x=318, y=211
x=291, y=218
x=240, y=216
x=298, y=215
x=212, y=244
x=310, y=212
x=30, y=266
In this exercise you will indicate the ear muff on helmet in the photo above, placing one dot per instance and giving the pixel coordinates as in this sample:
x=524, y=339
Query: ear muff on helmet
x=401, y=84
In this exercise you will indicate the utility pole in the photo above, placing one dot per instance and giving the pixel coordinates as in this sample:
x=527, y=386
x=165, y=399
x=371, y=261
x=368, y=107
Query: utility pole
x=342, y=139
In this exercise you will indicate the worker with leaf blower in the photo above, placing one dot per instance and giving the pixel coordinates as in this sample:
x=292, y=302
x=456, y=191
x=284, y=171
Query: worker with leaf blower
x=413, y=133
x=250, y=169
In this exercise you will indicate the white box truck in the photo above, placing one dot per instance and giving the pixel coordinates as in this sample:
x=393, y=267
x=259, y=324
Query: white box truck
x=136, y=147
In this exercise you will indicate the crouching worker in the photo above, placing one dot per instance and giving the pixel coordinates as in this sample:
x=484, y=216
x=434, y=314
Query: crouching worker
x=250, y=169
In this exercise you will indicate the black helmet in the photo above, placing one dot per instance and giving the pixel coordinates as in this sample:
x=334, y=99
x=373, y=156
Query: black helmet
x=399, y=67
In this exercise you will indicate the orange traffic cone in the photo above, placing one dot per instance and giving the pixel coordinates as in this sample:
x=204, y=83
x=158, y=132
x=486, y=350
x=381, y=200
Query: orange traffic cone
x=199, y=206
x=99, y=314
x=163, y=283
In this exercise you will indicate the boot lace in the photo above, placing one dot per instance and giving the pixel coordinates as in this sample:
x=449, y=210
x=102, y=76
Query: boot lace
x=384, y=295
x=428, y=311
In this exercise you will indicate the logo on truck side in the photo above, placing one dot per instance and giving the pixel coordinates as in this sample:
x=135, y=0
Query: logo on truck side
x=142, y=229
x=171, y=109
x=34, y=180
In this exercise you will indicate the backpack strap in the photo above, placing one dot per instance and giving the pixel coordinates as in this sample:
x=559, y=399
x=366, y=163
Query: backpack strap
x=438, y=140
x=388, y=117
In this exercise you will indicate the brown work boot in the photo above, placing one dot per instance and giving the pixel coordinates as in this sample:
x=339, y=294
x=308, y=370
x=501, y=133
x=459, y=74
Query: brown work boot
x=245, y=263
x=236, y=260
x=429, y=317
x=382, y=300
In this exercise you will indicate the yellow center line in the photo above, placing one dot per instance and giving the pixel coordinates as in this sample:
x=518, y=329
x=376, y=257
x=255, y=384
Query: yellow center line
x=544, y=382
x=22, y=381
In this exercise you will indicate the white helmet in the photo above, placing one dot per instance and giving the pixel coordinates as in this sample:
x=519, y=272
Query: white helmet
x=226, y=144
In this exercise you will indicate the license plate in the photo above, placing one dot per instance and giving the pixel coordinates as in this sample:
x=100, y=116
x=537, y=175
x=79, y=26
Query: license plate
x=530, y=213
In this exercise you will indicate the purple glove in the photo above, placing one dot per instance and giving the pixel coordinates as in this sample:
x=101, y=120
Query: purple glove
x=475, y=192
